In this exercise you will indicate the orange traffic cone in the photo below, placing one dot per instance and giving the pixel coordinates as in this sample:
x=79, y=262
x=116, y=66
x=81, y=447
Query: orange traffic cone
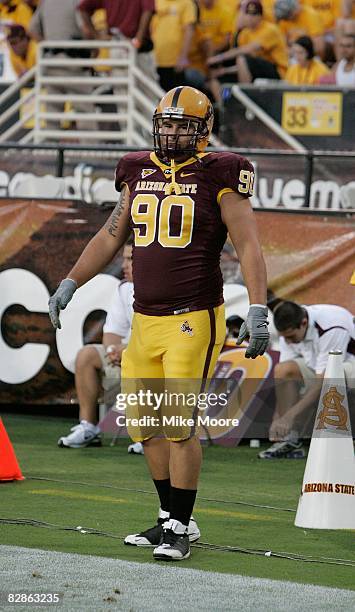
x=9, y=468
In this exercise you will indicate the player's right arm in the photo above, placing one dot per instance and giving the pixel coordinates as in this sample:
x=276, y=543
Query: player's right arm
x=96, y=255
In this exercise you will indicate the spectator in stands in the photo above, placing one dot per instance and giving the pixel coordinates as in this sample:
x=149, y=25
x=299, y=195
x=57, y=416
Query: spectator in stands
x=99, y=21
x=97, y=366
x=127, y=20
x=216, y=23
x=23, y=50
x=261, y=50
x=212, y=35
x=295, y=20
x=32, y=4
x=307, y=334
x=307, y=70
x=346, y=23
x=13, y=11
x=344, y=69
x=53, y=21
x=328, y=12
x=173, y=26
x=348, y=9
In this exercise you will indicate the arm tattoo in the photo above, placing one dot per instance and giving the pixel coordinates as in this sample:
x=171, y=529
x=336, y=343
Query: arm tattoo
x=111, y=224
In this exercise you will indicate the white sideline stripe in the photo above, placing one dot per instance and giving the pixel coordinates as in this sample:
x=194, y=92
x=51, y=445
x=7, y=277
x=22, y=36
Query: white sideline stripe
x=154, y=587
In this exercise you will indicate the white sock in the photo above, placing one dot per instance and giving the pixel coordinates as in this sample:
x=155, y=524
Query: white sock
x=94, y=428
x=175, y=526
x=163, y=514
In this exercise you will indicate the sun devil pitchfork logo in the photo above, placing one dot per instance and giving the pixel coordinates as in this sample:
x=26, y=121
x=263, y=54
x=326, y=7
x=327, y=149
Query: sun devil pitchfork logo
x=147, y=172
x=333, y=413
x=186, y=329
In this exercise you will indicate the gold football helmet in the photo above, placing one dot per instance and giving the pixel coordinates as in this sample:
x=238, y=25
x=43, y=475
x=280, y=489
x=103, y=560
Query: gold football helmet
x=194, y=110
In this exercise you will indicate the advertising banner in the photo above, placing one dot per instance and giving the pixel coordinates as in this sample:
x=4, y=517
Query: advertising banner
x=280, y=179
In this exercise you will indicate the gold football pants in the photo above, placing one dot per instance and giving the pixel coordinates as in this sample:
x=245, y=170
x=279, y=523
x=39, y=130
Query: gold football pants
x=170, y=356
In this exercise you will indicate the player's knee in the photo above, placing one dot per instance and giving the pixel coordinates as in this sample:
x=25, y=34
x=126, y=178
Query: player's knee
x=87, y=357
x=286, y=369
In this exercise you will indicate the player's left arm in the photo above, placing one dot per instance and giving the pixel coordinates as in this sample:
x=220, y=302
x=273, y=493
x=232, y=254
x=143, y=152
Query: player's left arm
x=237, y=215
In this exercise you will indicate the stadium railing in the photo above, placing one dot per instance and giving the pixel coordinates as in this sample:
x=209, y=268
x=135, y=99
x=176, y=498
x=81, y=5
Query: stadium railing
x=130, y=94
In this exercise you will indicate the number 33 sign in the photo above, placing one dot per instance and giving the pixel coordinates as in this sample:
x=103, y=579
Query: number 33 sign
x=310, y=113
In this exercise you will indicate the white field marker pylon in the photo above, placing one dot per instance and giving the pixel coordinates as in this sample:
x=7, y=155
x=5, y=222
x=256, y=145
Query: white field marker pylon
x=327, y=498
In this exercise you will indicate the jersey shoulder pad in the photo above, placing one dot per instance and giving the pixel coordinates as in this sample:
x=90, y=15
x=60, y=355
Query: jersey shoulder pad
x=128, y=167
x=233, y=173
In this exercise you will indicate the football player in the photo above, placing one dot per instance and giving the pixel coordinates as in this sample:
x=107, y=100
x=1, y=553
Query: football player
x=180, y=201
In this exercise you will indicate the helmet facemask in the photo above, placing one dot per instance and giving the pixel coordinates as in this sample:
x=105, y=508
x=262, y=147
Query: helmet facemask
x=182, y=144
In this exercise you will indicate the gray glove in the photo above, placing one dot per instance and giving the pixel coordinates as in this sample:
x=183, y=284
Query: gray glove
x=255, y=328
x=60, y=299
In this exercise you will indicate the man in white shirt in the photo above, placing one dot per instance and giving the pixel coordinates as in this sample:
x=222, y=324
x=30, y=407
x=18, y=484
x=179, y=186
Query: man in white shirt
x=97, y=366
x=345, y=68
x=307, y=334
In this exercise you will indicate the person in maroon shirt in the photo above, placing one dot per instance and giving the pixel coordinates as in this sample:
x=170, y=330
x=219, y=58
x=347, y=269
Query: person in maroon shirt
x=131, y=18
x=127, y=20
x=180, y=201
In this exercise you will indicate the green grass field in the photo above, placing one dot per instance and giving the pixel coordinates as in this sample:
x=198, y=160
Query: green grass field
x=228, y=476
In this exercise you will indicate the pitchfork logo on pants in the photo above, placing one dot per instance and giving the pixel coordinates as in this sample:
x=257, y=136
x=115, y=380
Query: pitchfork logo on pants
x=185, y=328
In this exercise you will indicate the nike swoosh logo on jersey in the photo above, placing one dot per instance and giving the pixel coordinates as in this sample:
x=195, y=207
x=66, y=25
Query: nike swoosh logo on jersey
x=183, y=174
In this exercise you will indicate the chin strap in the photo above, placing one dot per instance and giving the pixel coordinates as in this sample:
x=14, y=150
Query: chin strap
x=173, y=186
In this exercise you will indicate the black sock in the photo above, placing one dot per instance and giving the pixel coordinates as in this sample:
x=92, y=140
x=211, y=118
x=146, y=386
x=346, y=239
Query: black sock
x=181, y=504
x=163, y=488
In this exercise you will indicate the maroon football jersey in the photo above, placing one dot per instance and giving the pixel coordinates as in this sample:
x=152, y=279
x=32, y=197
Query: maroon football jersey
x=179, y=237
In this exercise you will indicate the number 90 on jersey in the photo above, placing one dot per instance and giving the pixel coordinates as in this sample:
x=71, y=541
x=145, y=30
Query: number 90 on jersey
x=146, y=214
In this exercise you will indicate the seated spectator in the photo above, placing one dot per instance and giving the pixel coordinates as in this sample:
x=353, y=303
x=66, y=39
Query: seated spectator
x=348, y=9
x=13, y=11
x=295, y=20
x=213, y=33
x=344, y=69
x=99, y=21
x=307, y=334
x=346, y=23
x=97, y=366
x=32, y=4
x=268, y=10
x=307, y=70
x=261, y=50
x=328, y=12
x=172, y=31
x=23, y=50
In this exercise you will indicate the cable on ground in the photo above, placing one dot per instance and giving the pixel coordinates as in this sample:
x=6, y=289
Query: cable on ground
x=203, y=545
